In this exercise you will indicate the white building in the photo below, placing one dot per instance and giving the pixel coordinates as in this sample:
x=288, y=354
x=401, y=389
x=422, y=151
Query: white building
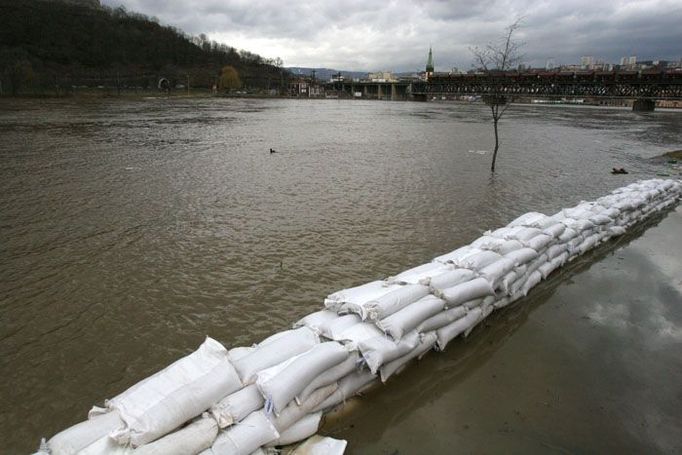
x=382, y=76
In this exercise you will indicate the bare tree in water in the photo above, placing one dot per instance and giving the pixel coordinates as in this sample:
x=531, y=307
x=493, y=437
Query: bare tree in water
x=494, y=60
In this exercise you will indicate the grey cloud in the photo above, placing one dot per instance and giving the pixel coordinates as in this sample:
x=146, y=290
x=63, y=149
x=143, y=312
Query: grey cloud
x=395, y=35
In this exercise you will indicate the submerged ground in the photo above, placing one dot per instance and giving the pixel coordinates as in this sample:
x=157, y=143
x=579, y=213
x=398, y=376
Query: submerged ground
x=132, y=229
x=588, y=363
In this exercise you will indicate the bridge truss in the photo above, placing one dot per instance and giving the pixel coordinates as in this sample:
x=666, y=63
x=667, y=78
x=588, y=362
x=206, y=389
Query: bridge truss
x=637, y=85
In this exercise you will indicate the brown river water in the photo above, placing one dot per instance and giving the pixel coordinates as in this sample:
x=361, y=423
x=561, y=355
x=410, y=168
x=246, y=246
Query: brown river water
x=129, y=230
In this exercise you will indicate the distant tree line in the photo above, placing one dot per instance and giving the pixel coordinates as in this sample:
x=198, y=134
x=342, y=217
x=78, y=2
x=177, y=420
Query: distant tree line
x=49, y=46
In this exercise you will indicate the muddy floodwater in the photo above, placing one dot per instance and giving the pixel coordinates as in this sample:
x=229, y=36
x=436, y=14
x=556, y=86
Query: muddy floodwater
x=129, y=230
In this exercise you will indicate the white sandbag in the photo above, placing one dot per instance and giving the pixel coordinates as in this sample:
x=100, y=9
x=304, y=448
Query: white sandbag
x=420, y=274
x=568, y=235
x=555, y=230
x=518, y=284
x=271, y=339
x=471, y=304
x=555, y=250
x=508, y=246
x=380, y=350
x=389, y=303
x=532, y=280
x=236, y=406
x=427, y=341
x=174, y=395
x=502, y=302
x=334, y=328
x=295, y=412
x=452, y=278
x=573, y=245
x=83, y=434
x=400, y=323
x=347, y=388
x=523, y=234
x=509, y=279
x=352, y=363
x=287, y=345
x=458, y=255
x=189, y=440
x=581, y=211
x=578, y=225
x=299, y=431
x=358, y=295
x=503, y=232
x=320, y=445
x=532, y=219
x=353, y=335
x=600, y=219
x=279, y=386
x=452, y=330
x=611, y=212
x=479, y=260
x=497, y=270
x=106, y=446
x=485, y=312
x=442, y=319
x=245, y=437
x=522, y=256
x=237, y=353
x=589, y=243
x=617, y=230
x=316, y=320
x=547, y=268
x=474, y=289
x=488, y=242
x=536, y=263
x=540, y=242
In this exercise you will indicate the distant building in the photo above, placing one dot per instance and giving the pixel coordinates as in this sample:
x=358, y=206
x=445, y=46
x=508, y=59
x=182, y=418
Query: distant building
x=587, y=61
x=382, y=76
x=305, y=87
x=338, y=77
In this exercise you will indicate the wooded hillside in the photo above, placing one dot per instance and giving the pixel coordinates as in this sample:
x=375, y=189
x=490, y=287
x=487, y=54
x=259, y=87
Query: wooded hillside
x=48, y=46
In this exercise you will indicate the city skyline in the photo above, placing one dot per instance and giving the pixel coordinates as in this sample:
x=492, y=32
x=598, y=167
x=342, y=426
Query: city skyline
x=357, y=36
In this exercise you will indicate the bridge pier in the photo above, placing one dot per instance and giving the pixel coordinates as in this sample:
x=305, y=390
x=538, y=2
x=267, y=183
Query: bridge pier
x=378, y=91
x=393, y=92
x=643, y=105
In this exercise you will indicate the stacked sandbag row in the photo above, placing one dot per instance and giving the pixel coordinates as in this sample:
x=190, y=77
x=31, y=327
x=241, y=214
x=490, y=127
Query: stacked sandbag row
x=392, y=321
x=217, y=402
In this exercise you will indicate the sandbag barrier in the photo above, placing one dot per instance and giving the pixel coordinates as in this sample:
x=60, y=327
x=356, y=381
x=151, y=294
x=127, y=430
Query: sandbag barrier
x=250, y=399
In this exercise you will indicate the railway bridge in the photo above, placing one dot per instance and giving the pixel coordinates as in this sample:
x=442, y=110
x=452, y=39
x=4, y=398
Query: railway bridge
x=644, y=87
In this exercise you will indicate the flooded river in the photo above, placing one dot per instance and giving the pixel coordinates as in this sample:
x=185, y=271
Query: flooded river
x=132, y=229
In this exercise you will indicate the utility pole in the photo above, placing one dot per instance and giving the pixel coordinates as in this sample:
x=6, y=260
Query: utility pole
x=187, y=84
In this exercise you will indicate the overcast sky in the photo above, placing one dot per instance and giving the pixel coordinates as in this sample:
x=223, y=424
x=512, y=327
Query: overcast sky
x=366, y=35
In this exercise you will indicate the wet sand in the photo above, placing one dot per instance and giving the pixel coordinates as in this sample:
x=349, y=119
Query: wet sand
x=589, y=362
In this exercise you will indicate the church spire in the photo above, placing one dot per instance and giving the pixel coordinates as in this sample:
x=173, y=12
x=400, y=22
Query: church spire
x=429, y=62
